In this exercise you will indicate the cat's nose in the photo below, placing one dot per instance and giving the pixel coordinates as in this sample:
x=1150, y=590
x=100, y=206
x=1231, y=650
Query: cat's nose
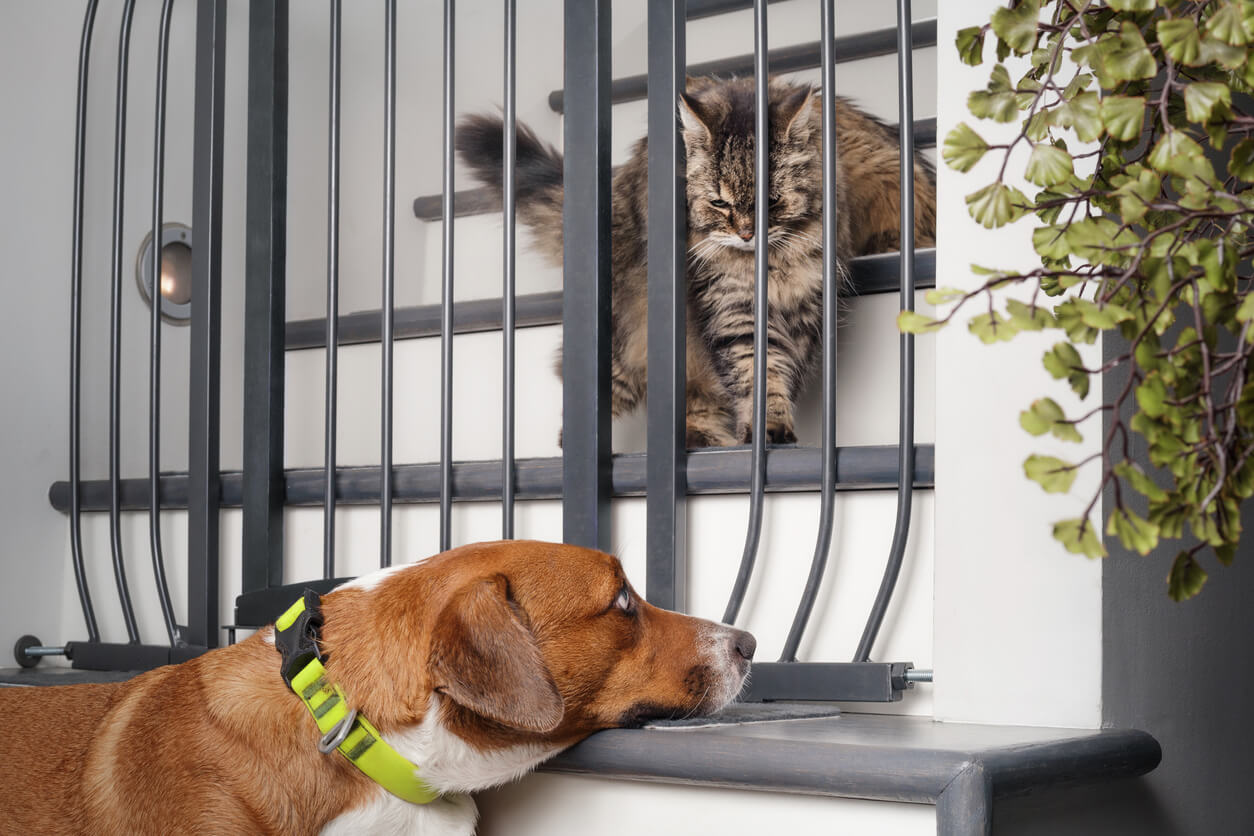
x=745, y=234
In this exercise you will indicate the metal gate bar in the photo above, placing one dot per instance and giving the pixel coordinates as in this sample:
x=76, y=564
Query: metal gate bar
x=389, y=282
x=666, y=533
x=265, y=294
x=331, y=410
x=831, y=284
x=508, y=302
x=905, y=443
x=586, y=459
x=446, y=289
x=206, y=337
x=761, y=186
x=76, y=328
x=154, y=335
x=115, y=325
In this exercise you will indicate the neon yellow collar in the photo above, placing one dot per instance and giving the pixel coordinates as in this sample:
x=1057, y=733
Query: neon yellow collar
x=349, y=732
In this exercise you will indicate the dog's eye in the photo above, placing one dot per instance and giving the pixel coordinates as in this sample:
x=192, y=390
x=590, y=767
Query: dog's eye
x=623, y=601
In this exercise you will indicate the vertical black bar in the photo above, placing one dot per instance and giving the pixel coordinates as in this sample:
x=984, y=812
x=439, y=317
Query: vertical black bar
x=507, y=296
x=666, y=535
x=115, y=327
x=446, y=292
x=831, y=281
x=761, y=187
x=76, y=327
x=206, y=329
x=154, y=334
x=331, y=409
x=905, y=444
x=586, y=454
x=389, y=283
x=265, y=294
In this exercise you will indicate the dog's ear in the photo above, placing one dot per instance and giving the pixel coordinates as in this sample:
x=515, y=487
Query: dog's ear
x=485, y=658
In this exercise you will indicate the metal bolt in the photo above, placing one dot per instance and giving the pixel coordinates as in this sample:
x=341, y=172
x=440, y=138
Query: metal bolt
x=919, y=675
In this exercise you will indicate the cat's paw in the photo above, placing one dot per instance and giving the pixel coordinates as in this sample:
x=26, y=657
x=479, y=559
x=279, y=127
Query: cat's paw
x=697, y=437
x=774, y=435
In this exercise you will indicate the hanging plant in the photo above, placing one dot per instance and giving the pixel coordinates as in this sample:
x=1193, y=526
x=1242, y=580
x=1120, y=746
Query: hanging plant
x=1137, y=125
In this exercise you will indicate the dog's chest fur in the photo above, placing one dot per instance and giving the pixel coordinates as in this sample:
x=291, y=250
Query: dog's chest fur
x=448, y=764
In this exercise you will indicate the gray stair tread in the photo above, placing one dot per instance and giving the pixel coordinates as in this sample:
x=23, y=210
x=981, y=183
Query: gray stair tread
x=58, y=675
x=885, y=757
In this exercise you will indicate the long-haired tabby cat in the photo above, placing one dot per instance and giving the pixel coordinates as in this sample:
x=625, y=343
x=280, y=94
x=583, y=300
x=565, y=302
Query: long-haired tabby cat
x=718, y=131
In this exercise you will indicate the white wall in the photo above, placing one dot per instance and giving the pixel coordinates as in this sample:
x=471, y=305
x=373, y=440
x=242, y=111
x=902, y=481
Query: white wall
x=1018, y=619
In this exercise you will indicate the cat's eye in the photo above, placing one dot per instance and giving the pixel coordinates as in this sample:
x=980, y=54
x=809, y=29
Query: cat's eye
x=719, y=204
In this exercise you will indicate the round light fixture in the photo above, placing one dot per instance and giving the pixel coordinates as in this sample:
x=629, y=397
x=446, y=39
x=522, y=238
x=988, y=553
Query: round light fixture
x=176, y=272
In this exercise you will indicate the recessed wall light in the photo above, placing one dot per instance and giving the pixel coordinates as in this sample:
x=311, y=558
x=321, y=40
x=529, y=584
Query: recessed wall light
x=176, y=272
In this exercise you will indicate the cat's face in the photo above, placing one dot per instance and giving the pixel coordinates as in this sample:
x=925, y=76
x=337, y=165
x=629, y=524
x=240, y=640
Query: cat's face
x=718, y=119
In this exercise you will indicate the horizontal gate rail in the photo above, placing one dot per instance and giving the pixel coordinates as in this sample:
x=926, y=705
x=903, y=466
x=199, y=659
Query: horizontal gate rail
x=789, y=469
x=782, y=60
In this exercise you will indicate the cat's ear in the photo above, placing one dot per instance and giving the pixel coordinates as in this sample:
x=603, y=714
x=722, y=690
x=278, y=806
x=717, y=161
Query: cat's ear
x=695, y=116
x=796, y=111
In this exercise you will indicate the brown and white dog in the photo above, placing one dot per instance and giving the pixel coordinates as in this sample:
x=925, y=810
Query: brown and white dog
x=475, y=664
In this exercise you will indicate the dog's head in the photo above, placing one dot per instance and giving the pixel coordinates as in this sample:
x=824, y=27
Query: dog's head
x=526, y=641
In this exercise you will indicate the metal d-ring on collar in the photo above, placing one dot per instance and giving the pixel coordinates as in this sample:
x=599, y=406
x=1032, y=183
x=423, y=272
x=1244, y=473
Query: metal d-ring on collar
x=338, y=734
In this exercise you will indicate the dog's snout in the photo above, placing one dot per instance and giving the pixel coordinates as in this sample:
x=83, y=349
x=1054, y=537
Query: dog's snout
x=744, y=644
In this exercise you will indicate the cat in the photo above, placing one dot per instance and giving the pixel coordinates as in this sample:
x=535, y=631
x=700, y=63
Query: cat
x=717, y=121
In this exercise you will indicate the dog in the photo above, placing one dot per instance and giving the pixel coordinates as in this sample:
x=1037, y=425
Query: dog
x=460, y=672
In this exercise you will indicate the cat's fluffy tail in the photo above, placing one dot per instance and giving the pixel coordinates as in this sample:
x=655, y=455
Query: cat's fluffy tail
x=537, y=179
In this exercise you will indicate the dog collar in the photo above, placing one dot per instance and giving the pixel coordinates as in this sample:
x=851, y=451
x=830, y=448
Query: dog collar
x=296, y=638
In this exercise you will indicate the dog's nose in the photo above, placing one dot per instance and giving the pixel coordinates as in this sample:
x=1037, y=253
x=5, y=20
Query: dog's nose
x=744, y=643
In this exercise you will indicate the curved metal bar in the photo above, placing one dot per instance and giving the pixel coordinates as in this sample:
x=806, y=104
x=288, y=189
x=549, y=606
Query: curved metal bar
x=757, y=485
x=115, y=327
x=154, y=333
x=446, y=293
x=333, y=297
x=905, y=444
x=389, y=283
x=76, y=328
x=507, y=297
x=831, y=276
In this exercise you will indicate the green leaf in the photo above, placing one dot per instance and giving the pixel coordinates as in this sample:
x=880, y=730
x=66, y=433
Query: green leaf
x=1052, y=474
x=1176, y=153
x=1226, y=553
x=970, y=43
x=1135, y=533
x=1017, y=26
x=1202, y=97
x=1123, y=116
x=1029, y=317
x=1048, y=165
x=943, y=295
x=1101, y=317
x=1050, y=242
x=1226, y=25
x=1040, y=418
x=1064, y=361
x=1131, y=5
x=1180, y=40
x=1072, y=322
x=963, y=148
x=1140, y=481
x=996, y=205
x=992, y=327
x=1152, y=396
x=1079, y=537
x=1126, y=57
x=1215, y=51
x=912, y=322
x=1241, y=163
x=1245, y=312
x=1082, y=114
x=1186, y=578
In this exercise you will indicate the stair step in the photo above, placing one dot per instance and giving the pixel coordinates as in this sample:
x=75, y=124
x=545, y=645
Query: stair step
x=870, y=274
x=710, y=471
x=696, y=9
x=481, y=201
x=782, y=60
x=962, y=768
